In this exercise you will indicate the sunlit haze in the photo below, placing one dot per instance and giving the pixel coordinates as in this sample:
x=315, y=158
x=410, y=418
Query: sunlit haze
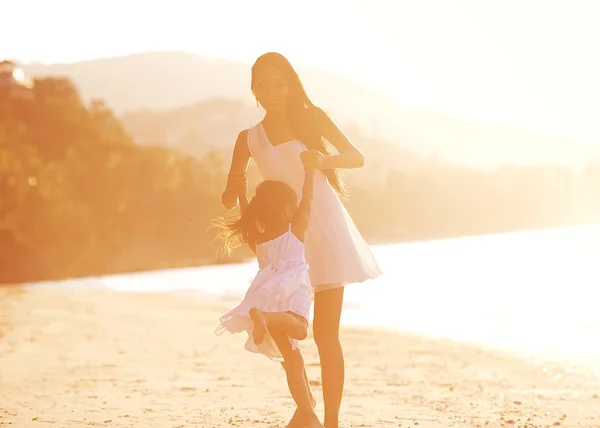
x=417, y=247
x=529, y=64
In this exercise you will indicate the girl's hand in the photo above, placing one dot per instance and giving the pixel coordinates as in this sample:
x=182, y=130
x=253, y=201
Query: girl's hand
x=312, y=159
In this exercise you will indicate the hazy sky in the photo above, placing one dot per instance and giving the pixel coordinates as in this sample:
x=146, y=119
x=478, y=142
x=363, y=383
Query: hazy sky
x=530, y=63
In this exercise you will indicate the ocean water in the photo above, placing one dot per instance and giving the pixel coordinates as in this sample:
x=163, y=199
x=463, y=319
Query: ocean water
x=534, y=293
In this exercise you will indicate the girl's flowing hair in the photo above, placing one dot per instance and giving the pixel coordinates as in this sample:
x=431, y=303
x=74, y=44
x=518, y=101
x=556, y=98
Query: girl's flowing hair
x=301, y=113
x=266, y=208
x=236, y=232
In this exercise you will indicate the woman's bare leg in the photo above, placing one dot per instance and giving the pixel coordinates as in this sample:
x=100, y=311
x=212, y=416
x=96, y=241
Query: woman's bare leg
x=289, y=326
x=326, y=329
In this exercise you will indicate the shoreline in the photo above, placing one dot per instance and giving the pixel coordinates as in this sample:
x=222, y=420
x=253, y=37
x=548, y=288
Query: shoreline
x=208, y=299
x=96, y=357
x=241, y=258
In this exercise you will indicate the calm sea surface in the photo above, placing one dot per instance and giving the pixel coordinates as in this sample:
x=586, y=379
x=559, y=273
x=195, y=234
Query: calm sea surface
x=536, y=293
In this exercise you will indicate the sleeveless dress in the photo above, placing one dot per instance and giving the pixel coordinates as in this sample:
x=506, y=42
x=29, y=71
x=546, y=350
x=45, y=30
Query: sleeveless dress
x=335, y=250
x=281, y=285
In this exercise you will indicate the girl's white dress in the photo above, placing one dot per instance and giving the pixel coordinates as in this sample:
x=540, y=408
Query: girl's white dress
x=281, y=285
x=335, y=249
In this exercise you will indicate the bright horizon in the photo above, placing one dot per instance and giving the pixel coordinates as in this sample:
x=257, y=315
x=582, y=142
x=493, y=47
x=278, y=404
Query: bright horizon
x=527, y=64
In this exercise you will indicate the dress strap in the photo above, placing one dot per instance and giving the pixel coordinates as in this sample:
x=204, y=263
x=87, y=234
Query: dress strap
x=257, y=142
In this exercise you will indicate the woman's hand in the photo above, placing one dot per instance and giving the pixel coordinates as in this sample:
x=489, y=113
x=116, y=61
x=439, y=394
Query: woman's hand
x=229, y=198
x=312, y=159
x=237, y=186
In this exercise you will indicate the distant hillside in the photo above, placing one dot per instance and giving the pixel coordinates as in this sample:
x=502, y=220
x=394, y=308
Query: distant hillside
x=213, y=125
x=169, y=80
x=80, y=198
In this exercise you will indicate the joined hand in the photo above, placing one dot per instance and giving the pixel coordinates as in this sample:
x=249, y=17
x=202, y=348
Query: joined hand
x=312, y=159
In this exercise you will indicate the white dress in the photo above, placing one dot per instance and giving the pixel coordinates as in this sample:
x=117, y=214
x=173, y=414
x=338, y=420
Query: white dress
x=335, y=250
x=281, y=285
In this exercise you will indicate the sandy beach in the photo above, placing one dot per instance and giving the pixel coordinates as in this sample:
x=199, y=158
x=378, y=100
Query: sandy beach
x=88, y=358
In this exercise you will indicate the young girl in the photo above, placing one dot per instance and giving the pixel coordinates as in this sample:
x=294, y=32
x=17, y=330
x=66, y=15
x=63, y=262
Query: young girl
x=276, y=307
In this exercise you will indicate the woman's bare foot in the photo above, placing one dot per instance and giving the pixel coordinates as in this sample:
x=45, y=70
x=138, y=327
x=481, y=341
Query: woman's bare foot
x=260, y=327
x=297, y=421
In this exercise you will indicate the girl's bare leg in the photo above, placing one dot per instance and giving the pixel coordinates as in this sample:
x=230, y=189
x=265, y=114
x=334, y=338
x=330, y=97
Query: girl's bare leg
x=285, y=322
x=297, y=421
x=289, y=326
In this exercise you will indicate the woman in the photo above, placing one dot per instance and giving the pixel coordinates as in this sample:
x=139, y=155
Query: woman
x=293, y=136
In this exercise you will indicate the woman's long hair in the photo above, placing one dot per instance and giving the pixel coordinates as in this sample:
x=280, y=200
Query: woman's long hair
x=301, y=113
x=266, y=209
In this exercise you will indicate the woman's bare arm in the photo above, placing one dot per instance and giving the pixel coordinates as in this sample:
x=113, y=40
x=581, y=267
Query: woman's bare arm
x=350, y=156
x=237, y=171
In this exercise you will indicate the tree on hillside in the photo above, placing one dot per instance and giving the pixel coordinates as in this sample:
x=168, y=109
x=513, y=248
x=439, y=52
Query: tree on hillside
x=79, y=197
x=84, y=199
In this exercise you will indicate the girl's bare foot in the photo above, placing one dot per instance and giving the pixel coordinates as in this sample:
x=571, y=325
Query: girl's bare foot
x=260, y=327
x=314, y=423
x=297, y=421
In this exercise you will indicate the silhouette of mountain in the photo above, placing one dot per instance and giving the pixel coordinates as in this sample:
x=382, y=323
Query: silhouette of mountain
x=213, y=126
x=80, y=198
x=168, y=80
